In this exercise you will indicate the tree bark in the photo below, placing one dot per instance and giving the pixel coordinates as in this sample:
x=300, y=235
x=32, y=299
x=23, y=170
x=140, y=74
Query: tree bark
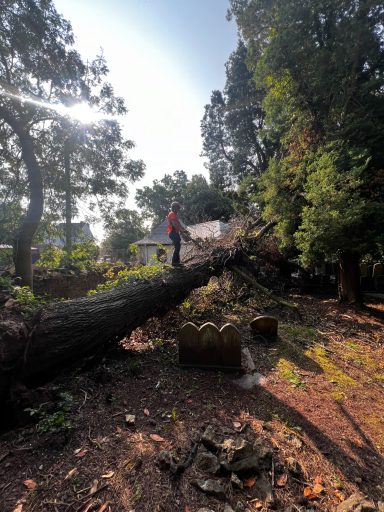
x=349, y=278
x=64, y=332
x=68, y=199
x=29, y=224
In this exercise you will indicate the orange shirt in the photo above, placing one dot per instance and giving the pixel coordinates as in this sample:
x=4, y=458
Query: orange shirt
x=172, y=216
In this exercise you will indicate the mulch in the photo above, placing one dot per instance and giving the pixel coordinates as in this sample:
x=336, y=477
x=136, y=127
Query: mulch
x=102, y=464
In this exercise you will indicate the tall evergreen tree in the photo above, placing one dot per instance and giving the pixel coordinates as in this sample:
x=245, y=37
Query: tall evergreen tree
x=322, y=66
x=232, y=126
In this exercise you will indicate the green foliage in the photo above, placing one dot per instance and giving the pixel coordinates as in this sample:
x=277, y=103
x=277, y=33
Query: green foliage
x=122, y=229
x=29, y=302
x=324, y=115
x=201, y=201
x=38, y=61
x=6, y=283
x=133, y=249
x=83, y=254
x=57, y=421
x=51, y=257
x=6, y=260
x=232, y=126
x=130, y=276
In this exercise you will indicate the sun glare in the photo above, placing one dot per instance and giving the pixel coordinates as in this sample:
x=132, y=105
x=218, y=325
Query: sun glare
x=82, y=112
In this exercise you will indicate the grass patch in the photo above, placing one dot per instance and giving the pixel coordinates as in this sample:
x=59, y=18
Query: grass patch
x=332, y=372
x=287, y=371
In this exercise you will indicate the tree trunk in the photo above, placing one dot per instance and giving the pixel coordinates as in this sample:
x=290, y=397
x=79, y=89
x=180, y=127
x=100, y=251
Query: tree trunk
x=64, y=332
x=29, y=224
x=349, y=278
x=68, y=199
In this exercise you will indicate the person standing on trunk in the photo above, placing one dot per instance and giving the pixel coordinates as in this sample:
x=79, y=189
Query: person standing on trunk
x=174, y=228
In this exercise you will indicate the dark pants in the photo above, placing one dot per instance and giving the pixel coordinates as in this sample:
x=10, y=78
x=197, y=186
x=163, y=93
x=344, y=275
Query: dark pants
x=176, y=240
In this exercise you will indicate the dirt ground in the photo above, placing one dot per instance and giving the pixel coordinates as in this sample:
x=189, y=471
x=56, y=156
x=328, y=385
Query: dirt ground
x=320, y=404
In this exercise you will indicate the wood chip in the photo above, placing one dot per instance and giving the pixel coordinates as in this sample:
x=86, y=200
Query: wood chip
x=146, y=412
x=70, y=473
x=30, y=484
x=108, y=475
x=157, y=438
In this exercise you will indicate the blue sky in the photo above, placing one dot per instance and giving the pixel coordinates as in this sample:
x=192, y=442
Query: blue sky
x=165, y=57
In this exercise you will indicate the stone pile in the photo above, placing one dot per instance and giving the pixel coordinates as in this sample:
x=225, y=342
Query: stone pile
x=225, y=460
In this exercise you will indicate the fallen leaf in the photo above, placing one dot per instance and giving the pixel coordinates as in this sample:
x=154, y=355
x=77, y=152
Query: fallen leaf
x=258, y=505
x=237, y=425
x=30, y=484
x=70, y=473
x=309, y=494
x=157, y=438
x=340, y=495
x=187, y=509
x=275, y=443
x=119, y=429
x=19, y=506
x=282, y=480
x=94, y=487
x=318, y=480
x=81, y=453
x=249, y=482
x=146, y=412
x=318, y=488
x=108, y=475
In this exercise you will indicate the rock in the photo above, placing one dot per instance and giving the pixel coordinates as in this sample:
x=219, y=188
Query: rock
x=249, y=381
x=357, y=503
x=207, y=462
x=239, y=455
x=265, y=325
x=236, y=482
x=263, y=490
x=164, y=459
x=130, y=419
x=211, y=439
x=212, y=487
x=247, y=360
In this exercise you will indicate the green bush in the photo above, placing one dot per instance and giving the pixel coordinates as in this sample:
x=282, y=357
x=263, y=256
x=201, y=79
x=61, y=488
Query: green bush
x=29, y=302
x=51, y=257
x=130, y=276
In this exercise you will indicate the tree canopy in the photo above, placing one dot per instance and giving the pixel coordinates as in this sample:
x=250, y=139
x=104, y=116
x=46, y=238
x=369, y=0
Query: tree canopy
x=122, y=228
x=39, y=68
x=201, y=201
x=321, y=65
x=232, y=126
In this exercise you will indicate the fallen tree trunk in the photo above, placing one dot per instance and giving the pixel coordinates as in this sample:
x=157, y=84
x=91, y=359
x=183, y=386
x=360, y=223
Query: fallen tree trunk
x=65, y=332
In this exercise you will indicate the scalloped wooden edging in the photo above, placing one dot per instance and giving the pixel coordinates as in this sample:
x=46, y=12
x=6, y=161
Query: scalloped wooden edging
x=209, y=347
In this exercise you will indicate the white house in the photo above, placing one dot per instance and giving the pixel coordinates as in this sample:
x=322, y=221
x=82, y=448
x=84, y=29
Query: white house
x=157, y=245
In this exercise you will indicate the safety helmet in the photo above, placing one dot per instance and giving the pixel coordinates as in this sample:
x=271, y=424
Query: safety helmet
x=175, y=206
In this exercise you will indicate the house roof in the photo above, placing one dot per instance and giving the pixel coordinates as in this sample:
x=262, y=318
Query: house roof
x=81, y=232
x=204, y=230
